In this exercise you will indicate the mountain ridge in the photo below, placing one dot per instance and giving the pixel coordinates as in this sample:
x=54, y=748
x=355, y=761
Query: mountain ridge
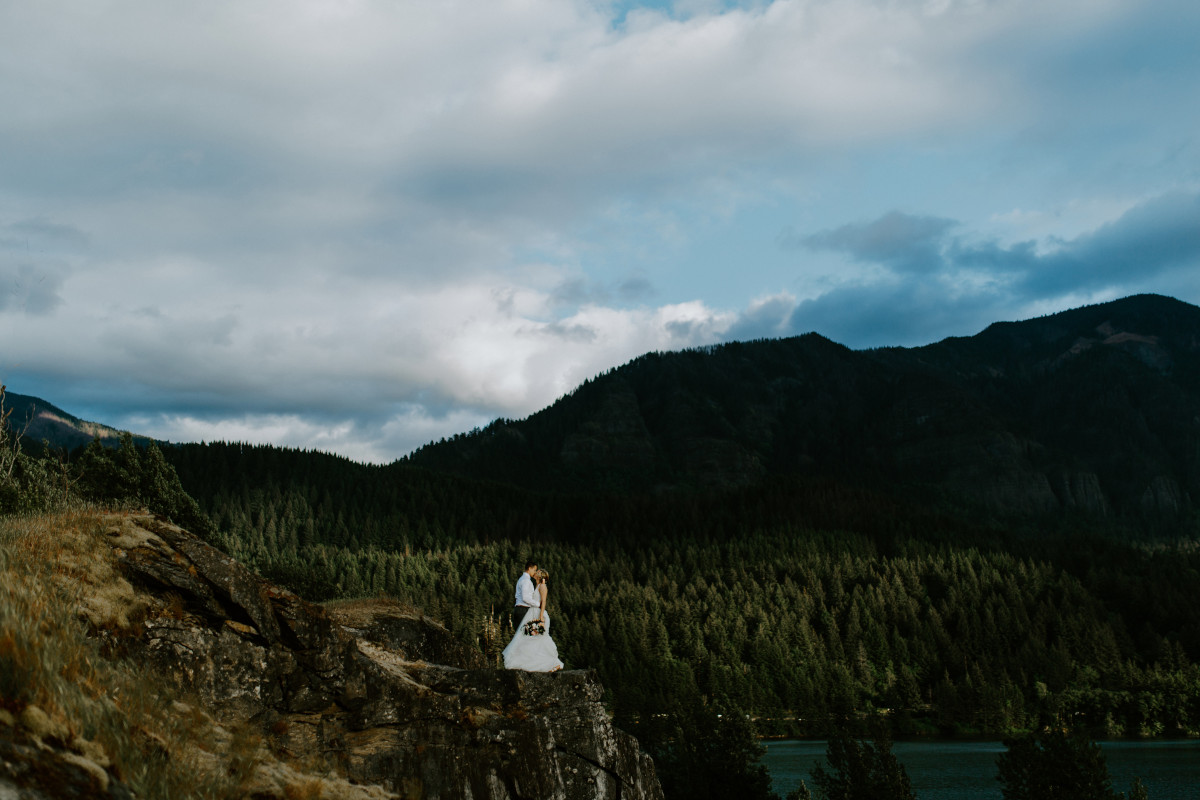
x=213, y=682
x=1090, y=410
x=35, y=420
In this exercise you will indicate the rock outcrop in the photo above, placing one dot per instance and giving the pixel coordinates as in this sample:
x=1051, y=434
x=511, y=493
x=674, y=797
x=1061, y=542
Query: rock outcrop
x=377, y=696
x=35, y=758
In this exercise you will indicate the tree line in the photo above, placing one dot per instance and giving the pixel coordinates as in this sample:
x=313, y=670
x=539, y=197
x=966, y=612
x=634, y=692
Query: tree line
x=772, y=610
x=795, y=603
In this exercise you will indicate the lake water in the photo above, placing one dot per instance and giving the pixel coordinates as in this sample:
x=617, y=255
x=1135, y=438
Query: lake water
x=952, y=770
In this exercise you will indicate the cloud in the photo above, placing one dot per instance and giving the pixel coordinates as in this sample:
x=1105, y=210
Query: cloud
x=29, y=288
x=635, y=289
x=365, y=224
x=367, y=441
x=34, y=263
x=1152, y=236
x=527, y=107
x=902, y=242
x=41, y=232
x=1149, y=240
x=901, y=313
x=368, y=137
x=966, y=284
x=578, y=290
x=765, y=318
x=361, y=369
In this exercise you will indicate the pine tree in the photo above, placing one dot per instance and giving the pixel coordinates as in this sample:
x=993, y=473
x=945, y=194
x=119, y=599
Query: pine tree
x=1058, y=765
x=861, y=770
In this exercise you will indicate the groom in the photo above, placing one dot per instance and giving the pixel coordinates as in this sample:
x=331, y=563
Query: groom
x=527, y=596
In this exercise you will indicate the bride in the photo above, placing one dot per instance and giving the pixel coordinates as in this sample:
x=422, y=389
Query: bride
x=531, y=649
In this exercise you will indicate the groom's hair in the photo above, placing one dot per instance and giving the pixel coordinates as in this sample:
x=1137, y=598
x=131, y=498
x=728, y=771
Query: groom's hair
x=529, y=564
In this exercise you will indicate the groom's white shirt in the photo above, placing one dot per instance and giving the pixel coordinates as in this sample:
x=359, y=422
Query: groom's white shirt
x=526, y=594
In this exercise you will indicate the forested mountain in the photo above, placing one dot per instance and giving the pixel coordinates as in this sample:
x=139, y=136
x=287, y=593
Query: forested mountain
x=1091, y=411
x=793, y=530
x=792, y=597
x=34, y=420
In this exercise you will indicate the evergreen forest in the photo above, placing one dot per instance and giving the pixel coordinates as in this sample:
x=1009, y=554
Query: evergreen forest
x=789, y=607
x=991, y=536
x=794, y=603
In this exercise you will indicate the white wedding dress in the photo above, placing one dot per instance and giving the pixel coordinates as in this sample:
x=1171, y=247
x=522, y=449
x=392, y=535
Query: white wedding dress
x=532, y=653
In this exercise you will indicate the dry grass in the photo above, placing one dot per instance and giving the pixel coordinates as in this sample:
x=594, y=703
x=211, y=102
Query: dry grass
x=303, y=790
x=362, y=611
x=65, y=610
x=58, y=587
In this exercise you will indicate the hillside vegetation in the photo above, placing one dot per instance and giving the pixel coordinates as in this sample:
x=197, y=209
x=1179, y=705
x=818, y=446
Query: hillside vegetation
x=74, y=717
x=1088, y=414
x=745, y=597
x=984, y=536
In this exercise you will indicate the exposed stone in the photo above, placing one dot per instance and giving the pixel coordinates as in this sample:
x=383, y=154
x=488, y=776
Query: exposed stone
x=404, y=631
x=615, y=436
x=1163, y=496
x=97, y=773
x=41, y=726
x=32, y=770
x=1081, y=490
x=92, y=751
x=365, y=690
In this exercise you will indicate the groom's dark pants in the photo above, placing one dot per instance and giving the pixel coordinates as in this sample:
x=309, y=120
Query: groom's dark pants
x=518, y=615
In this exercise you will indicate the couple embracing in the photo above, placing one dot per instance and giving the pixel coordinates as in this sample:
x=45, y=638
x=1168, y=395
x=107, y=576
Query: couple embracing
x=531, y=648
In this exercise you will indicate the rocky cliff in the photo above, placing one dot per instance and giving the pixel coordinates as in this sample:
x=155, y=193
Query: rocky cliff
x=367, y=700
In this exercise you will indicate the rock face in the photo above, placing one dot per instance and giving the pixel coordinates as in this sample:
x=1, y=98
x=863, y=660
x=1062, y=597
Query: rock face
x=359, y=691
x=43, y=771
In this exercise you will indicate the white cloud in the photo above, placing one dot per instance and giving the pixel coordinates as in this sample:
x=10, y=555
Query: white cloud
x=369, y=442
x=279, y=364
x=531, y=89
x=363, y=223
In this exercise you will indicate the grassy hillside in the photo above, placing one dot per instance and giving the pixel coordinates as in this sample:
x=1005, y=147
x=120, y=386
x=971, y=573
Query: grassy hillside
x=100, y=718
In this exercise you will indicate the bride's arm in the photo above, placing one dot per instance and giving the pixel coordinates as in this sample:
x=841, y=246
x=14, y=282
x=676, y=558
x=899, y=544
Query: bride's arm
x=542, y=591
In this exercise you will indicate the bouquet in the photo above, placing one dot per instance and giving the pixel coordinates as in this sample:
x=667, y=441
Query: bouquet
x=535, y=628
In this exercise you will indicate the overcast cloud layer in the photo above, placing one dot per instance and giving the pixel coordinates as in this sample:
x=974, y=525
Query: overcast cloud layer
x=360, y=226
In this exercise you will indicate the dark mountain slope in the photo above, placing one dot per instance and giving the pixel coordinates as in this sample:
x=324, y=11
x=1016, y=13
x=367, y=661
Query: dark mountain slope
x=1095, y=410
x=36, y=420
x=1102, y=401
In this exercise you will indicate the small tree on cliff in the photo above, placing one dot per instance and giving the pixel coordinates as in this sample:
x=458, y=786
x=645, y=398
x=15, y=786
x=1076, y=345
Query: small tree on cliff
x=139, y=476
x=1058, y=765
x=26, y=483
x=859, y=771
x=713, y=754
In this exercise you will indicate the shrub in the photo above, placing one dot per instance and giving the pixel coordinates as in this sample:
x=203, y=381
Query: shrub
x=26, y=483
x=139, y=477
x=1056, y=764
x=860, y=771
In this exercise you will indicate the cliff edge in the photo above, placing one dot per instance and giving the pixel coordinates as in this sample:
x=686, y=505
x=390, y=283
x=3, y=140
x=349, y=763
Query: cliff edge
x=369, y=700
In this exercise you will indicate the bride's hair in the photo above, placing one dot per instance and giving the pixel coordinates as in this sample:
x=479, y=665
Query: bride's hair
x=541, y=575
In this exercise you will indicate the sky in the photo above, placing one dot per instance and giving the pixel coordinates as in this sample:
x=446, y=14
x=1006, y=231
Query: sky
x=361, y=226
